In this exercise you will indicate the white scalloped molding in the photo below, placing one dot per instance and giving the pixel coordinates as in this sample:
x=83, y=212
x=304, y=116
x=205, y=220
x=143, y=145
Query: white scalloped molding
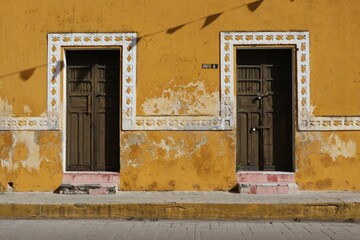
x=229, y=40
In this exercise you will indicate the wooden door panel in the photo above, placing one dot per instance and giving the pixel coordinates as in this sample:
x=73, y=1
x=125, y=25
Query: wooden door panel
x=79, y=139
x=248, y=153
x=72, y=149
x=93, y=79
x=79, y=87
x=107, y=112
x=254, y=141
x=264, y=109
x=100, y=143
x=268, y=144
x=107, y=143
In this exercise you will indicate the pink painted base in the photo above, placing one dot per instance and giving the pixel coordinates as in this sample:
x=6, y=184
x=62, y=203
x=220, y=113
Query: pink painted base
x=105, y=179
x=263, y=177
x=254, y=182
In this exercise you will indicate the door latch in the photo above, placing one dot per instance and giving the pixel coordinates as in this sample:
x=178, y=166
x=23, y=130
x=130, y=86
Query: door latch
x=260, y=96
x=253, y=129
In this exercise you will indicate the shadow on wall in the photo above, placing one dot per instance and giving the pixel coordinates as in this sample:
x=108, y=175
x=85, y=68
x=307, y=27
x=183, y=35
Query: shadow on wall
x=26, y=74
x=209, y=19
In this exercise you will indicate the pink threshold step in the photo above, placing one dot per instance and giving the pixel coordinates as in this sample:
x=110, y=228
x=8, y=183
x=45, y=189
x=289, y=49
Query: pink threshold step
x=89, y=183
x=256, y=182
x=264, y=177
x=102, y=178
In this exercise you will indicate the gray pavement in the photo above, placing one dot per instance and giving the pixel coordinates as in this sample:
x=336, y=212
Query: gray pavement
x=200, y=230
x=182, y=205
x=180, y=197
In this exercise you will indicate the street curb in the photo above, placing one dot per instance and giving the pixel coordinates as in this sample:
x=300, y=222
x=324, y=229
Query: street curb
x=184, y=211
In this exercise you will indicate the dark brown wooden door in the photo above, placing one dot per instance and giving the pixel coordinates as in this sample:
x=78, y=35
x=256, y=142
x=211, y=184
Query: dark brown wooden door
x=92, y=122
x=264, y=109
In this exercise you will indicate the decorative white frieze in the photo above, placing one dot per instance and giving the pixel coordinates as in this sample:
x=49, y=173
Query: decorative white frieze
x=227, y=118
x=26, y=123
x=181, y=123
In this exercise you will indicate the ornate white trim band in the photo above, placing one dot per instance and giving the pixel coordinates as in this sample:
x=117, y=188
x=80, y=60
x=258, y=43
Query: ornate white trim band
x=226, y=121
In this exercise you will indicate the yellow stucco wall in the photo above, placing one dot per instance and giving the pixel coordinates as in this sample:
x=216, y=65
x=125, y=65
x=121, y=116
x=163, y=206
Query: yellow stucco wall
x=172, y=46
x=179, y=160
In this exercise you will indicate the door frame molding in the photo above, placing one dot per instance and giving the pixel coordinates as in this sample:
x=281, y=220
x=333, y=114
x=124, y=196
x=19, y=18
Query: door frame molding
x=57, y=43
x=306, y=121
x=230, y=41
x=90, y=41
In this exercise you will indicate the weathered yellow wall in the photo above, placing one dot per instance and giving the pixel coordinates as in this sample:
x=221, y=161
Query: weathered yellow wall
x=328, y=160
x=179, y=160
x=30, y=160
x=173, y=45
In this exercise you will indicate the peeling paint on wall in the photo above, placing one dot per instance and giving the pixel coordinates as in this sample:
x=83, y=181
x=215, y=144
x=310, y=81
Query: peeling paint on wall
x=6, y=140
x=165, y=148
x=327, y=160
x=5, y=108
x=177, y=161
x=27, y=110
x=192, y=98
x=309, y=137
x=334, y=146
x=24, y=152
x=184, y=160
x=168, y=147
x=131, y=148
x=176, y=149
x=31, y=160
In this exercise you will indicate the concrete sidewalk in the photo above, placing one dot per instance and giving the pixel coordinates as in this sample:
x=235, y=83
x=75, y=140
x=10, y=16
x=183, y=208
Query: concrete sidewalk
x=309, y=205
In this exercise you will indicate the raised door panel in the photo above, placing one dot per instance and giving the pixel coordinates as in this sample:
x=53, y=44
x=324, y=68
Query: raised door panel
x=79, y=114
x=249, y=86
x=107, y=104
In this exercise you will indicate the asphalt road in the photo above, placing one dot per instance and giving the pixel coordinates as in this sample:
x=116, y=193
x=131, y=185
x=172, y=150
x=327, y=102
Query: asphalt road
x=204, y=230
